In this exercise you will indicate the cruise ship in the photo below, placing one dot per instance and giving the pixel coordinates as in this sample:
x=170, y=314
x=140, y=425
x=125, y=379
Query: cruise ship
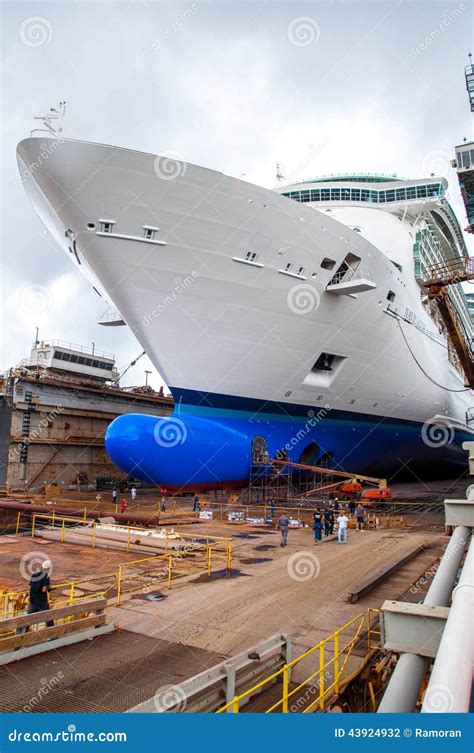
x=291, y=322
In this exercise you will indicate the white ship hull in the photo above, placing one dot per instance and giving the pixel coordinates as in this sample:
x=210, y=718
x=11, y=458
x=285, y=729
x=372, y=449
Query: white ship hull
x=231, y=337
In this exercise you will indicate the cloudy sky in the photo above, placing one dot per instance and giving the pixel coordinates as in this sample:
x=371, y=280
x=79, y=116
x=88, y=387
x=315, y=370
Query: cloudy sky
x=318, y=87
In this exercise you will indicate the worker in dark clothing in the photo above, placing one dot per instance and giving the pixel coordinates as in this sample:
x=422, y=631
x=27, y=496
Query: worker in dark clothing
x=352, y=506
x=283, y=524
x=40, y=586
x=359, y=516
x=318, y=526
x=328, y=522
x=272, y=508
x=196, y=503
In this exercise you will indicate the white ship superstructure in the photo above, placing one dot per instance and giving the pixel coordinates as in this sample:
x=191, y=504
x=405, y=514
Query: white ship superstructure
x=259, y=307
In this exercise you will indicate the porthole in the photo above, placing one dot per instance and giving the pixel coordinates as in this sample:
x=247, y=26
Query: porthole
x=90, y=226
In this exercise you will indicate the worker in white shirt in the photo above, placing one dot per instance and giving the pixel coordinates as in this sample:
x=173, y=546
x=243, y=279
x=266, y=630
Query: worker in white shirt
x=342, y=522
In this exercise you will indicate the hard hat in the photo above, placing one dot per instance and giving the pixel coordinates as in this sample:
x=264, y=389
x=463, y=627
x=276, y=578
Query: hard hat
x=46, y=565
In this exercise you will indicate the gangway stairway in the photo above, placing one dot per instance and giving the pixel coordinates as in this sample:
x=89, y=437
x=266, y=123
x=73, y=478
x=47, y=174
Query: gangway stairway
x=440, y=277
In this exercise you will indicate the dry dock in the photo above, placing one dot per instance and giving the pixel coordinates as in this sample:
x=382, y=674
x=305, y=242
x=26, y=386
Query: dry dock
x=302, y=590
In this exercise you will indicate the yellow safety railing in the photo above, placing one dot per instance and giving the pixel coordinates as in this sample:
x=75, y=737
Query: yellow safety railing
x=203, y=552
x=162, y=569
x=217, y=542
x=327, y=678
x=13, y=603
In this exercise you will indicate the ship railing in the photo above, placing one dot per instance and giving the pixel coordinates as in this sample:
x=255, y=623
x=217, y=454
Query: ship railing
x=346, y=275
x=80, y=348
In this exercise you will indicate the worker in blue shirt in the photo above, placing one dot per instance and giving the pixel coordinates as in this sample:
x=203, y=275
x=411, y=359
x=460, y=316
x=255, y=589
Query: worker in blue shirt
x=318, y=526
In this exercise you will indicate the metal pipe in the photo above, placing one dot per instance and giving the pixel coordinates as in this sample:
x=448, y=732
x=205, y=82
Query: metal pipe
x=401, y=694
x=450, y=684
x=143, y=518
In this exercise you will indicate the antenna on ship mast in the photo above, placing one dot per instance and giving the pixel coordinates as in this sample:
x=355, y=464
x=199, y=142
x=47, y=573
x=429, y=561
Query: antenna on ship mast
x=53, y=121
x=279, y=173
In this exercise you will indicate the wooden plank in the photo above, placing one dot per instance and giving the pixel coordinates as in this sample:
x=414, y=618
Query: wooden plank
x=40, y=636
x=65, y=640
x=26, y=620
x=363, y=587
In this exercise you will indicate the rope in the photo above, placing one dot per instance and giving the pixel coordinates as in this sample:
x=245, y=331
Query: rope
x=448, y=389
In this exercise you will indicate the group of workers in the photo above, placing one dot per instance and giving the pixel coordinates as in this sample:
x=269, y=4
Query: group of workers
x=123, y=502
x=324, y=520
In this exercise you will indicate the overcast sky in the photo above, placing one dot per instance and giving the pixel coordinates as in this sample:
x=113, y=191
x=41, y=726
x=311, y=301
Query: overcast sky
x=319, y=87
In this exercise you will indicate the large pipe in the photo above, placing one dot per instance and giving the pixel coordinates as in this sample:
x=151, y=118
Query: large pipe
x=403, y=689
x=450, y=685
x=79, y=513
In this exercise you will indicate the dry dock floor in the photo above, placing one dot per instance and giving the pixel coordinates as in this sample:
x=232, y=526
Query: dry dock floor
x=203, y=620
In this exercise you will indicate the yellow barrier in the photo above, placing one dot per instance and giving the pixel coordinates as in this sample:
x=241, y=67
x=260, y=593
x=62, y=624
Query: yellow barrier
x=192, y=539
x=12, y=603
x=169, y=563
x=326, y=669
x=214, y=549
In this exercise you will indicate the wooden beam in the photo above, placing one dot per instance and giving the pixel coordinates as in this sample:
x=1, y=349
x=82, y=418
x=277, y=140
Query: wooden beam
x=26, y=620
x=41, y=636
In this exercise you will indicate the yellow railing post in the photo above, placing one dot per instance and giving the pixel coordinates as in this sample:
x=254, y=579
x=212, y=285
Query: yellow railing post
x=321, y=675
x=18, y=522
x=336, y=661
x=235, y=706
x=85, y=513
x=33, y=526
x=209, y=559
x=170, y=570
x=71, y=593
x=284, y=706
x=62, y=531
x=119, y=584
x=53, y=516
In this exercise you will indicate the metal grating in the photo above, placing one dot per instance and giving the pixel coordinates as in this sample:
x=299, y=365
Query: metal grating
x=110, y=673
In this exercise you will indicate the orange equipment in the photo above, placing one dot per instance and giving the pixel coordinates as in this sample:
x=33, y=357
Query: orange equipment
x=351, y=489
